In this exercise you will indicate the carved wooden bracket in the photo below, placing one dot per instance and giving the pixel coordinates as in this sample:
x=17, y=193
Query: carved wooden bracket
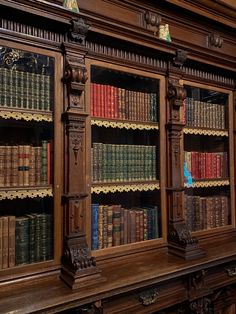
x=180, y=58
x=152, y=21
x=78, y=30
x=75, y=77
x=79, y=267
x=176, y=94
x=149, y=297
x=215, y=40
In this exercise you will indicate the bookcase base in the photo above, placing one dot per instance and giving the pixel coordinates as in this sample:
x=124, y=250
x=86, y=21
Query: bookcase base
x=187, y=253
x=81, y=279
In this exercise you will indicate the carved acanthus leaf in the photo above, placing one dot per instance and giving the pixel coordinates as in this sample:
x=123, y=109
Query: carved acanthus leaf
x=78, y=30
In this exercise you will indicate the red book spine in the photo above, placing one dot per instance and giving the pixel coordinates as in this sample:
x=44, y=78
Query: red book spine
x=92, y=94
x=102, y=100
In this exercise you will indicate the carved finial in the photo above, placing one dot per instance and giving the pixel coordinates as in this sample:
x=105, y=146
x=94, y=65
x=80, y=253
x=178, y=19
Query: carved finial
x=215, y=40
x=78, y=30
x=180, y=58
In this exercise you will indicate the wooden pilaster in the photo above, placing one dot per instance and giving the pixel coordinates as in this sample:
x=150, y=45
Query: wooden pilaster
x=79, y=267
x=181, y=242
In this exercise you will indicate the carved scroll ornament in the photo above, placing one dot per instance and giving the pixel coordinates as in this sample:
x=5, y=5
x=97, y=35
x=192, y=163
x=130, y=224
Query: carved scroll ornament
x=77, y=255
x=176, y=92
x=180, y=234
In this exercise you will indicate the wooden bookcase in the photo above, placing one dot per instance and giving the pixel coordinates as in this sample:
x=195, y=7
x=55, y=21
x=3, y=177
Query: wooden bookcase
x=209, y=159
x=121, y=138
x=129, y=205
x=31, y=176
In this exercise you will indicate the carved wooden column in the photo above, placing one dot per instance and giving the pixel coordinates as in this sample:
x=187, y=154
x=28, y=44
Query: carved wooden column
x=180, y=240
x=79, y=267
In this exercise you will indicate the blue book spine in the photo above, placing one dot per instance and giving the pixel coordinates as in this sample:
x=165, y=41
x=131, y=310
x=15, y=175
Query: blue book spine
x=94, y=208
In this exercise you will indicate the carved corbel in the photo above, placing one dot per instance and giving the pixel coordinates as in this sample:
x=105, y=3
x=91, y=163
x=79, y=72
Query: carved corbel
x=79, y=267
x=176, y=94
x=75, y=77
x=215, y=40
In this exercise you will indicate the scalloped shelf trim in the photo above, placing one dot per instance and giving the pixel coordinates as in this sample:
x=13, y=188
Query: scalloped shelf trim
x=209, y=132
x=124, y=125
x=205, y=184
x=12, y=194
x=125, y=188
x=25, y=116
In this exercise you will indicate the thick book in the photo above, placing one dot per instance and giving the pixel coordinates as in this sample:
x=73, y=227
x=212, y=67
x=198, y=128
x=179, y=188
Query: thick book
x=11, y=240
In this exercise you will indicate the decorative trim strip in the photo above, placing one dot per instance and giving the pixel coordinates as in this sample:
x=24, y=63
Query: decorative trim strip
x=207, y=183
x=208, y=132
x=12, y=194
x=124, y=125
x=125, y=188
x=25, y=116
x=31, y=30
x=227, y=81
x=126, y=55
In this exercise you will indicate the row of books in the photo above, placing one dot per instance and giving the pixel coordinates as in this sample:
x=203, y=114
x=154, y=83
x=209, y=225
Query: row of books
x=113, y=225
x=207, y=165
x=204, y=114
x=112, y=163
x=202, y=213
x=109, y=101
x=25, y=165
x=25, y=240
x=25, y=90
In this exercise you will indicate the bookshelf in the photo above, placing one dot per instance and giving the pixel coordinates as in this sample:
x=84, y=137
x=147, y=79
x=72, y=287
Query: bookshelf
x=29, y=186
x=129, y=206
x=127, y=195
x=208, y=159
